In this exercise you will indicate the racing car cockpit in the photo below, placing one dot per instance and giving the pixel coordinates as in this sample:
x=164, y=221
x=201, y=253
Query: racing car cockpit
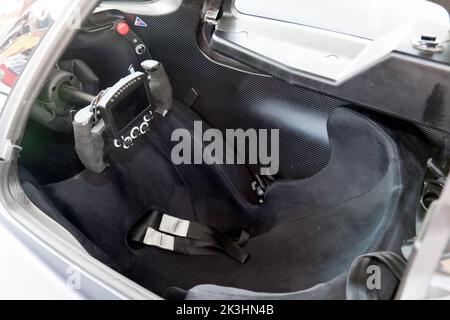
x=131, y=91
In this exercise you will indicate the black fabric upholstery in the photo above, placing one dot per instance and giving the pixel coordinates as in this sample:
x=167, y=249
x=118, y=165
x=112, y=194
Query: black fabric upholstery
x=307, y=232
x=37, y=196
x=333, y=290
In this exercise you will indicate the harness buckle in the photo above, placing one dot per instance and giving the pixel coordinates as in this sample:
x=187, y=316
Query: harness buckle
x=260, y=185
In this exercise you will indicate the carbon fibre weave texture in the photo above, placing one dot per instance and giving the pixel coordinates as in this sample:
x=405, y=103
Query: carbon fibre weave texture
x=230, y=99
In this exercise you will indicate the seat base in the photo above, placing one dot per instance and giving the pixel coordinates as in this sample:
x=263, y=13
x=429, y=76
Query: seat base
x=307, y=232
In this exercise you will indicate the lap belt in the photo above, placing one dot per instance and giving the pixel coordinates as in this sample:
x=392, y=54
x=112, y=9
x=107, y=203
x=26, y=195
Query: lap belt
x=188, y=237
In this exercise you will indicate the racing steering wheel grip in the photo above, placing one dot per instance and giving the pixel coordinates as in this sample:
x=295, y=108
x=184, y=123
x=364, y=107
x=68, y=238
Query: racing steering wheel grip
x=160, y=86
x=89, y=142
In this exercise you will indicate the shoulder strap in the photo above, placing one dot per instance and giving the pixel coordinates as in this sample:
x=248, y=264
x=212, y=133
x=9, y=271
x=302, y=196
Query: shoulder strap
x=357, y=288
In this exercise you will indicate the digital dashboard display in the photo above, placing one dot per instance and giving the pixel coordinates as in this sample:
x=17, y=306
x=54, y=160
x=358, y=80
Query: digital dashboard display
x=129, y=108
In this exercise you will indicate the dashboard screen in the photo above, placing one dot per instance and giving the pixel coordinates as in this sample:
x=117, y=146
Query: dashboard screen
x=127, y=110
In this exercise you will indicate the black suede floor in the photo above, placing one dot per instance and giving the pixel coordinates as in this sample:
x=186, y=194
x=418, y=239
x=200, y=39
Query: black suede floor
x=307, y=231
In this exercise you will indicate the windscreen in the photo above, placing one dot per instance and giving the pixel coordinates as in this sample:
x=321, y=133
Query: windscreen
x=23, y=23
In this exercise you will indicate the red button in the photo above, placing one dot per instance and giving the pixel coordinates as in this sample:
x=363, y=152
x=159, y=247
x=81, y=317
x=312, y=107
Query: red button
x=122, y=28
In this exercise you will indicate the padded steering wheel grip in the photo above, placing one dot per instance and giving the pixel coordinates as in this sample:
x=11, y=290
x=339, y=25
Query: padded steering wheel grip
x=89, y=147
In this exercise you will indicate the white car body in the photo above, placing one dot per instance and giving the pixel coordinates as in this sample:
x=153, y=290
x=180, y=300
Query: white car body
x=40, y=259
